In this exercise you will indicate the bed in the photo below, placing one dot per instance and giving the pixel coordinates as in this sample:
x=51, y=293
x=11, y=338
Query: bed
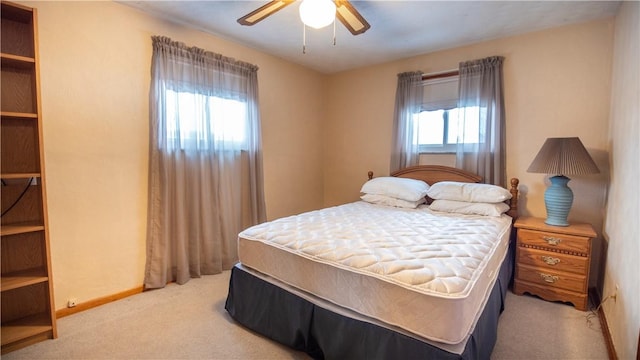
x=368, y=280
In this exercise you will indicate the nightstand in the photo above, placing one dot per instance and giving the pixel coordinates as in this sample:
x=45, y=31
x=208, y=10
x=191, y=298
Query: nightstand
x=553, y=262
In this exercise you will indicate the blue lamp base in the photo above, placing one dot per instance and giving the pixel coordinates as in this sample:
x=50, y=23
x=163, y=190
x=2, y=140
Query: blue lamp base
x=558, y=199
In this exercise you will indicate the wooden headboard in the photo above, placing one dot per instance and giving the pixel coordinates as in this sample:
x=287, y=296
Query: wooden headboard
x=432, y=174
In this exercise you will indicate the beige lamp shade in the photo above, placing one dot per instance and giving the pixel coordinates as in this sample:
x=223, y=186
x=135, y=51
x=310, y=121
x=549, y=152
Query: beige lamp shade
x=563, y=156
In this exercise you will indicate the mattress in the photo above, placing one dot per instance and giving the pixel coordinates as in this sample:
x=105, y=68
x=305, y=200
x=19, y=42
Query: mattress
x=437, y=268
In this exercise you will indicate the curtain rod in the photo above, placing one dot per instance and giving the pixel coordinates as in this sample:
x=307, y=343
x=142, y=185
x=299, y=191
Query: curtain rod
x=440, y=74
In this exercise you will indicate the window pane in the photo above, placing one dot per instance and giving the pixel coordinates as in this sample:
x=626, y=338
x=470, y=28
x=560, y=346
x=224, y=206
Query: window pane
x=430, y=127
x=470, y=117
x=196, y=120
x=228, y=119
x=452, y=135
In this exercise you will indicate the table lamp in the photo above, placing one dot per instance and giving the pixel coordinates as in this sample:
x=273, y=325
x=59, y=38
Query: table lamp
x=560, y=157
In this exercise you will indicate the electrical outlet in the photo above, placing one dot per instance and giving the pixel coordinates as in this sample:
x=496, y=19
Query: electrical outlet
x=72, y=302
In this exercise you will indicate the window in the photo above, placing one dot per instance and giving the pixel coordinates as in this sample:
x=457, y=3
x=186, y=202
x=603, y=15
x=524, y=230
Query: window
x=197, y=120
x=437, y=130
x=437, y=124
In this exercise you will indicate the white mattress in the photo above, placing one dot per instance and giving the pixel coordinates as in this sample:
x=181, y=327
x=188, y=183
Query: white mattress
x=425, y=272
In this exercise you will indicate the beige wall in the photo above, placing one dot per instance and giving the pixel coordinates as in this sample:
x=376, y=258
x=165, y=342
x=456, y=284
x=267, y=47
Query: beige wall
x=622, y=228
x=95, y=62
x=557, y=83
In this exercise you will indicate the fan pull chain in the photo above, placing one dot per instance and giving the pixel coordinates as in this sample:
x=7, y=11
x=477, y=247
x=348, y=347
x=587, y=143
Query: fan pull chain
x=304, y=38
x=334, y=31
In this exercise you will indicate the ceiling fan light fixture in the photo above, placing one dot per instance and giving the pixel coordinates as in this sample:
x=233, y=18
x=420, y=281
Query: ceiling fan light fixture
x=317, y=13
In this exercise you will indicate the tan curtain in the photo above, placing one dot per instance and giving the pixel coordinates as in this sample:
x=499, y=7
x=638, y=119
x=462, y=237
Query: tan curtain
x=481, y=122
x=205, y=165
x=409, y=92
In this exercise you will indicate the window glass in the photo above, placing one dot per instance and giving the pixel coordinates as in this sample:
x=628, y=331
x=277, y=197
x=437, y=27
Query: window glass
x=438, y=130
x=430, y=125
x=197, y=120
x=228, y=119
x=471, y=116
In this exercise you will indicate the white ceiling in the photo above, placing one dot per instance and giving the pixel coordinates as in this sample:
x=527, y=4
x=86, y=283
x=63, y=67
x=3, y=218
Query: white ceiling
x=399, y=29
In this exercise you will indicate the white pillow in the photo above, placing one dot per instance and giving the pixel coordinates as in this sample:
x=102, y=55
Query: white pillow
x=399, y=188
x=391, y=201
x=471, y=208
x=468, y=192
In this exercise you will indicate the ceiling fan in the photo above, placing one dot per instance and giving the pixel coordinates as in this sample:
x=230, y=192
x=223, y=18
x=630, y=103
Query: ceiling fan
x=344, y=11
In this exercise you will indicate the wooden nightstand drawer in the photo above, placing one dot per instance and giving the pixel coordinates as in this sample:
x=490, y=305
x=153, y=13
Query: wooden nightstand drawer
x=568, y=244
x=553, y=261
x=560, y=280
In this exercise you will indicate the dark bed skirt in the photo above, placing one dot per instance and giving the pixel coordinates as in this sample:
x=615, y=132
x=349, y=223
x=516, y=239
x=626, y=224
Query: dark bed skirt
x=295, y=322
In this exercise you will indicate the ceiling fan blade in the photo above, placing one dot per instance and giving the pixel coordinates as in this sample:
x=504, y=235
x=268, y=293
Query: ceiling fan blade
x=262, y=12
x=350, y=17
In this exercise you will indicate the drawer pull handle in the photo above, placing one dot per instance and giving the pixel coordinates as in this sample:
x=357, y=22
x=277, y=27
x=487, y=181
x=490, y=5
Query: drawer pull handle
x=550, y=260
x=552, y=240
x=549, y=278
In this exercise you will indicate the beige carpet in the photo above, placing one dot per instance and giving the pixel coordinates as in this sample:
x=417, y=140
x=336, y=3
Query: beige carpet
x=189, y=322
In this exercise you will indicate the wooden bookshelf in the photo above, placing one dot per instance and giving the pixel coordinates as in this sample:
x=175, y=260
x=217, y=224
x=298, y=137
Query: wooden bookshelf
x=26, y=287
